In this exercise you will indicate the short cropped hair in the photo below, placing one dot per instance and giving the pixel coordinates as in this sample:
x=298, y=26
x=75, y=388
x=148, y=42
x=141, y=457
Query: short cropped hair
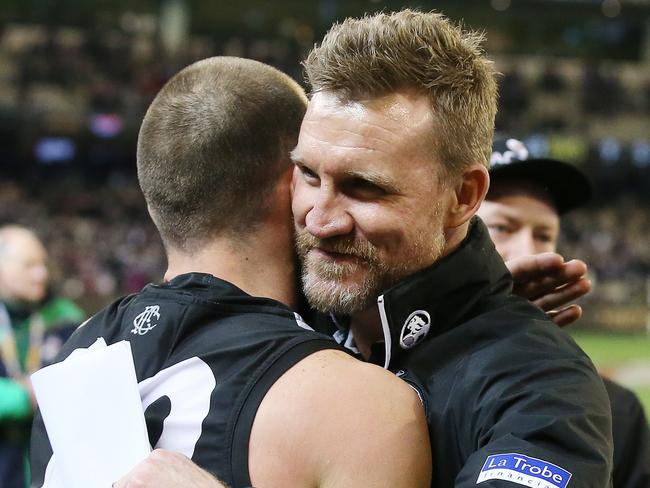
x=379, y=54
x=213, y=145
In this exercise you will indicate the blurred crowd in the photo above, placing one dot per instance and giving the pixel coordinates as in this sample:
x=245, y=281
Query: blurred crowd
x=71, y=101
x=613, y=239
x=100, y=240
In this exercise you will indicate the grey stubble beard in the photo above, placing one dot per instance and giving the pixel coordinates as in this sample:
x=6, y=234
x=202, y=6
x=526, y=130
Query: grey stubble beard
x=323, y=281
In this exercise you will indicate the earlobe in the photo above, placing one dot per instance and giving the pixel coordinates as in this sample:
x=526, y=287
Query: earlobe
x=469, y=193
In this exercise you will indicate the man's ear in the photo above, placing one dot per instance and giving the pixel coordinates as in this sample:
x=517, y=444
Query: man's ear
x=468, y=194
x=295, y=174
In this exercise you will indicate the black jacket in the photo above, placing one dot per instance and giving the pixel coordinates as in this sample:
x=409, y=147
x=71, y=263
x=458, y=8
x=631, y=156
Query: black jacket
x=509, y=397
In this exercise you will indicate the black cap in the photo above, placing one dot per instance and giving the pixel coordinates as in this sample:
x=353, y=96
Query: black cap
x=567, y=185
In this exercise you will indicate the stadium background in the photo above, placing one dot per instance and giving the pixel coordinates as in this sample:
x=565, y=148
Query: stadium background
x=76, y=77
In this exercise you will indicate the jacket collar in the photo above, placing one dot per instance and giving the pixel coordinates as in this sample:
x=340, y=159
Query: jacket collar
x=438, y=298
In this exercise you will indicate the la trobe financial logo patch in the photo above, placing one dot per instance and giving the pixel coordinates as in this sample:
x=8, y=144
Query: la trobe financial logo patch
x=523, y=470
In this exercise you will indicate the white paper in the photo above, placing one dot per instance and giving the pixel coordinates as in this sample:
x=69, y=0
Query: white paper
x=93, y=415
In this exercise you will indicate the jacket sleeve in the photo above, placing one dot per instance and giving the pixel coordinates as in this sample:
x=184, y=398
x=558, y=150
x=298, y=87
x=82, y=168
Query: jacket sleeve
x=541, y=419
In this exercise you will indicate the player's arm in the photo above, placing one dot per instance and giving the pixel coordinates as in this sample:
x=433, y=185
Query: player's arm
x=551, y=284
x=333, y=421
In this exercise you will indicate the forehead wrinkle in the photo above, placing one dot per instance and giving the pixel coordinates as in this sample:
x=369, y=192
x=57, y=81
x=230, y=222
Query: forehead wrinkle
x=349, y=146
x=361, y=137
x=392, y=116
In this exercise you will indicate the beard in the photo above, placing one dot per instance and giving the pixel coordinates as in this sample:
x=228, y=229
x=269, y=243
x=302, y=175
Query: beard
x=354, y=284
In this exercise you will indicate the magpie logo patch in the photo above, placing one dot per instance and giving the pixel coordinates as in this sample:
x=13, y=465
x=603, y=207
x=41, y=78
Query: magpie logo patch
x=142, y=323
x=523, y=470
x=415, y=329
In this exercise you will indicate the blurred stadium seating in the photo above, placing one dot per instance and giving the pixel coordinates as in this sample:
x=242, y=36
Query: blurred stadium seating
x=75, y=82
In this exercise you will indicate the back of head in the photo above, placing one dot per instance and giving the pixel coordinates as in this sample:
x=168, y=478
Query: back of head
x=382, y=53
x=213, y=145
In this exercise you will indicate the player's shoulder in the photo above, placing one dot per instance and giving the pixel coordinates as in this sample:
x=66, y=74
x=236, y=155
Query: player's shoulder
x=318, y=416
x=337, y=372
x=331, y=385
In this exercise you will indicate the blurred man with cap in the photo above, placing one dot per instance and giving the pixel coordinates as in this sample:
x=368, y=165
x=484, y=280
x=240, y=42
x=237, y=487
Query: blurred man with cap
x=522, y=211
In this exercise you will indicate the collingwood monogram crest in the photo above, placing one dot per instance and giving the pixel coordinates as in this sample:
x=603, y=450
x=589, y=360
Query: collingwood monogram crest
x=142, y=323
x=415, y=329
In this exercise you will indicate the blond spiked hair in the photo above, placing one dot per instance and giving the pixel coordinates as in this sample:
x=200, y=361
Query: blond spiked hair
x=385, y=52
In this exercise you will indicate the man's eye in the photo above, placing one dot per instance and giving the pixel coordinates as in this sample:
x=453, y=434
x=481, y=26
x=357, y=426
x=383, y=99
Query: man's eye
x=500, y=228
x=308, y=174
x=544, y=238
x=364, y=188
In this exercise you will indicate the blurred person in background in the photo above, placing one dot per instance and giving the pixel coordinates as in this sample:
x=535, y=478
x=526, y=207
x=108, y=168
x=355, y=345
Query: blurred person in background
x=33, y=327
x=522, y=211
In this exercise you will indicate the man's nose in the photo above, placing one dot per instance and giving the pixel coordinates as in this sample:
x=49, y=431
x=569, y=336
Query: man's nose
x=329, y=216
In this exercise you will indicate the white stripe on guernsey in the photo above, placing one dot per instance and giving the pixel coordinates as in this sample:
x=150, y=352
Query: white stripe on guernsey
x=385, y=329
x=189, y=386
x=301, y=323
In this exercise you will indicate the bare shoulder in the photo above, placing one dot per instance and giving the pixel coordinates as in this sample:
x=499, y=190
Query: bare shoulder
x=334, y=420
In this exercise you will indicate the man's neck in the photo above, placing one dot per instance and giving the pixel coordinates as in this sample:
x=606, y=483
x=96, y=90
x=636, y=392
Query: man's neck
x=366, y=327
x=260, y=267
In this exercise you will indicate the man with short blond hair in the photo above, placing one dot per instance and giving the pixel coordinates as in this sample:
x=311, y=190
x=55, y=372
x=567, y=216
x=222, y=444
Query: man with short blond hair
x=391, y=167
x=365, y=58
